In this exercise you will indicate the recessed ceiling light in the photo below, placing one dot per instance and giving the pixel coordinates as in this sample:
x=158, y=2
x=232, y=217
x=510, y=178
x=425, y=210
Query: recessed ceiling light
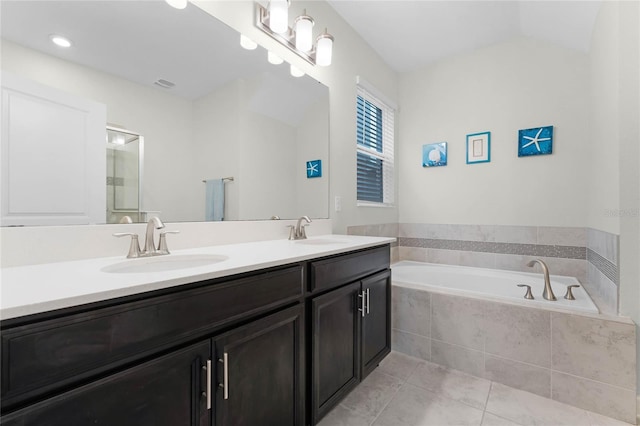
x=60, y=41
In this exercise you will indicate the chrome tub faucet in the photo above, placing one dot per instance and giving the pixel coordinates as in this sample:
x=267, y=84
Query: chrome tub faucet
x=548, y=291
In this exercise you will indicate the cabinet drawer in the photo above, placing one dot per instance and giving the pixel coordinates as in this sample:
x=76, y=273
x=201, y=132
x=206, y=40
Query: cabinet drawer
x=40, y=357
x=336, y=271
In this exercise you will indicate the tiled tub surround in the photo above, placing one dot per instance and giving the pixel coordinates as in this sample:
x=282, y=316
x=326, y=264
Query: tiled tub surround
x=582, y=360
x=587, y=254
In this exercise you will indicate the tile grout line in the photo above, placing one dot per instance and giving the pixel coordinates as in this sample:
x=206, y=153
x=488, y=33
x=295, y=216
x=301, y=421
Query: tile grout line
x=394, y=395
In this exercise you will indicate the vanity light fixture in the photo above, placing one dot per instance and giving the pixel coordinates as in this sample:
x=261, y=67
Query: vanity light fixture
x=60, y=41
x=247, y=43
x=273, y=58
x=279, y=16
x=298, y=39
x=303, y=30
x=324, y=49
x=178, y=4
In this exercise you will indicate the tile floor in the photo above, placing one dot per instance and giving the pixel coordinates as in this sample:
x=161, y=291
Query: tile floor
x=406, y=391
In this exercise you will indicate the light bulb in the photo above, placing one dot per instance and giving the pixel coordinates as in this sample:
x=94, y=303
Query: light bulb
x=247, y=43
x=324, y=49
x=60, y=41
x=279, y=16
x=178, y=4
x=304, y=36
x=296, y=72
x=273, y=58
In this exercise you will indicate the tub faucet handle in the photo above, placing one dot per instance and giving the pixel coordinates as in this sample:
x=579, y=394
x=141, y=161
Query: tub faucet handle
x=528, y=294
x=569, y=294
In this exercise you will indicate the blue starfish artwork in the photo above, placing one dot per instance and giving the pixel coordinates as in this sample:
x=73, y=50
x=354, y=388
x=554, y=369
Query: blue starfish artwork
x=536, y=141
x=314, y=168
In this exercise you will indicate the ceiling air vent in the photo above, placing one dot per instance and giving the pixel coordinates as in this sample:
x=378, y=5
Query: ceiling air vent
x=164, y=84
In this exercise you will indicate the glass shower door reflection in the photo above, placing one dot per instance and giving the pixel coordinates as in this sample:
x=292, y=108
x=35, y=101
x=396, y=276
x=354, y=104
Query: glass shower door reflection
x=124, y=175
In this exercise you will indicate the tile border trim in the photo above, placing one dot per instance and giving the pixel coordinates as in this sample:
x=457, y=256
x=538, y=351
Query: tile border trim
x=540, y=250
x=608, y=268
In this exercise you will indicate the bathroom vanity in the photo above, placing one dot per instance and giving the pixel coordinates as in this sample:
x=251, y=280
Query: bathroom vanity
x=277, y=343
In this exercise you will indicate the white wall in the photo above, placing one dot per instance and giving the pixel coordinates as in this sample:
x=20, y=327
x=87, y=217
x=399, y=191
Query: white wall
x=352, y=56
x=519, y=84
x=615, y=205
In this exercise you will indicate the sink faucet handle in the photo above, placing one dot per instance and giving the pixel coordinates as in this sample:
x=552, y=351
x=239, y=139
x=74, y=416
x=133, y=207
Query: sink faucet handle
x=569, y=294
x=292, y=232
x=134, y=247
x=162, y=244
x=528, y=294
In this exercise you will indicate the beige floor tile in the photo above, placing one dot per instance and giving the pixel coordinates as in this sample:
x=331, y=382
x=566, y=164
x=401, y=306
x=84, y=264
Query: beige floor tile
x=342, y=416
x=399, y=365
x=452, y=384
x=414, y=406
x=530, y=409
x=373, y=394
x=493, y=420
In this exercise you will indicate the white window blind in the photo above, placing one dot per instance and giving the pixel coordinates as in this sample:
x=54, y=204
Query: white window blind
x=375, y=139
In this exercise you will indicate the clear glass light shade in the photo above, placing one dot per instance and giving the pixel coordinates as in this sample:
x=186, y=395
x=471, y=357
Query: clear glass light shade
x=178, y=4
x=247, y=43
x=274, y=59
x=304, y=36
x=279, y=16
x=60, y=41
x=296, y=72
x=324, y=50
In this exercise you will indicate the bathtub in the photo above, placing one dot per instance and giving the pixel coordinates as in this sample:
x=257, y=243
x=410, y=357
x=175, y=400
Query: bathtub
x=493, y=284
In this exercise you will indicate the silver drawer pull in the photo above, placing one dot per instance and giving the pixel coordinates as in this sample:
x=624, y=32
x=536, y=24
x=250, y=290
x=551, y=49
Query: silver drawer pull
x=207, y=369
x=363, y=309
x=368, y=301
x=225, y=375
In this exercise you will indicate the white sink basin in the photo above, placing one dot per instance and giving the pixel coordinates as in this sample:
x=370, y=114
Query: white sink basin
x=163, y=263
x=319, y=242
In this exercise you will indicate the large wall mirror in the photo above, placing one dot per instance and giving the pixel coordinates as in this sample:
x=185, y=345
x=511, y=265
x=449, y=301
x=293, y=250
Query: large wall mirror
x=206, y=109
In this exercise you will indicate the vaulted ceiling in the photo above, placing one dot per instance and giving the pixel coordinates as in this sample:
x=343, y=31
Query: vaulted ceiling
x=409, y=34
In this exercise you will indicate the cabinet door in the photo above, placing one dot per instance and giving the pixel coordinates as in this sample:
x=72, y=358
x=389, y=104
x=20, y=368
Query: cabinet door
x=260, y=372
x=167, y=391
x=376, y=324
x=335, y=347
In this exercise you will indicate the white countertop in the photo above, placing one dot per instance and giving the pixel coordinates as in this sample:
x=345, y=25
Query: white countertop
x=33, y=289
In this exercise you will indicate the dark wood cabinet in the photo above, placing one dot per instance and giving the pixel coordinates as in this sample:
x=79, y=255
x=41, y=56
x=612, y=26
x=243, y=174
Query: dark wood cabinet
x=335, y=325
x=259, y=348
x=167, y=391
x=350, y=325
x=260, y=372
x=376, y=324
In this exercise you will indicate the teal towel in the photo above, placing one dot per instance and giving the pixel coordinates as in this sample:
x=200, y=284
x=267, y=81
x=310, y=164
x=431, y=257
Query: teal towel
x=214, y=200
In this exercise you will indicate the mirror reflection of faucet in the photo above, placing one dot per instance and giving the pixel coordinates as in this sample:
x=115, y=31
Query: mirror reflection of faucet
x=150, y=248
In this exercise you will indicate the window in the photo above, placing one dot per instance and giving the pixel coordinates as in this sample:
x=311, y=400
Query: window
x=375, y=130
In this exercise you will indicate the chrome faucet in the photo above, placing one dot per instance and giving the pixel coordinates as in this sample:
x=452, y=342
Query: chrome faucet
x=297, y=232
x=548, y=291
x=149, y=246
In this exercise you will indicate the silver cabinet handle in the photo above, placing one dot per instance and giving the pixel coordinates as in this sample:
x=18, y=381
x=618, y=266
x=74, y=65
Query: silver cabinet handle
x=363, y=309
x=368, y=301
x=225, y=375
x=207, y=369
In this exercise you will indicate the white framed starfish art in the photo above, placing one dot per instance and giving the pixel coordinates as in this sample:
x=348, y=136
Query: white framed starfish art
x=535, y=141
